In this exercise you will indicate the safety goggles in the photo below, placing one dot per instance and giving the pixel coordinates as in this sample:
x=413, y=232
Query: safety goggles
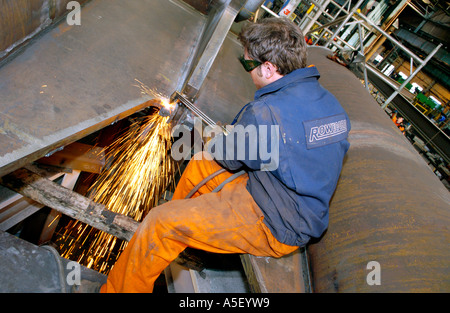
x=249, y=65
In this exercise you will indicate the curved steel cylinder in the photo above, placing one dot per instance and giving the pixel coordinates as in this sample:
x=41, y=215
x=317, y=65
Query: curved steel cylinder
x=390, y=215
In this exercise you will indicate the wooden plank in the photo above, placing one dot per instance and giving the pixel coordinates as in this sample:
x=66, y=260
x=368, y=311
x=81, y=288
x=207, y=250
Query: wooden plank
x=69, y=181
x=70, y=203
x=77, y=156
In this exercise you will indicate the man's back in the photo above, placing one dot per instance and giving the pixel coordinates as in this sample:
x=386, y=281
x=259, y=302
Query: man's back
x=313, y=128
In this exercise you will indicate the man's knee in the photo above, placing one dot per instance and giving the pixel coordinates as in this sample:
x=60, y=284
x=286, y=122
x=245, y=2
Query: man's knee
x=168, y=220
x=156, y=217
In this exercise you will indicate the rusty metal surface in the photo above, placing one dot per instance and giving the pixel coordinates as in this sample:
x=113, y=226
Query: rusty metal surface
x=389, y=207
x=20, y=20
x=271, y=275
x=75, y=80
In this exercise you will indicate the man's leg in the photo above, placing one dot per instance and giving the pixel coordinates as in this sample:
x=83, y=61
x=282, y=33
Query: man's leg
x=199, y=168
x=224, y=222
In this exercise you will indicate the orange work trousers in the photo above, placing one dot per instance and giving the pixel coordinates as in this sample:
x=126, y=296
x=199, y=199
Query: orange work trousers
x=228, y=221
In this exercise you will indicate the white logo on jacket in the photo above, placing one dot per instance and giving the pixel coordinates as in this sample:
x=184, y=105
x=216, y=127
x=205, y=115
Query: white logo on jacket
x=328, y=130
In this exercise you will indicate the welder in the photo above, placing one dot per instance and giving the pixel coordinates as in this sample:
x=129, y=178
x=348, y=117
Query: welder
x=268, y=206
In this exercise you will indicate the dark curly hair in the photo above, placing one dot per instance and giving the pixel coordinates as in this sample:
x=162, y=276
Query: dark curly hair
x=276, y=40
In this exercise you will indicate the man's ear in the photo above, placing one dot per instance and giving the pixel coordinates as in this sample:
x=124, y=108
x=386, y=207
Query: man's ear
x=269, y=69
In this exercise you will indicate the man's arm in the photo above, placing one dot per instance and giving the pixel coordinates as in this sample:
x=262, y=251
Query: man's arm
x=253, y=143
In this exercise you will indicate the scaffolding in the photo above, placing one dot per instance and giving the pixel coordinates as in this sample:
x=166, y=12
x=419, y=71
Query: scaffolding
x=341, y=25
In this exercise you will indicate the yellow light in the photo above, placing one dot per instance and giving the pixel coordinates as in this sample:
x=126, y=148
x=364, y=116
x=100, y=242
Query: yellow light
x=139, y=170
x=166, y=103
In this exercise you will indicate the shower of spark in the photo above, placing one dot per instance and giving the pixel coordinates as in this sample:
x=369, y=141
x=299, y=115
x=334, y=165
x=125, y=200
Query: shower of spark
x=138, y=171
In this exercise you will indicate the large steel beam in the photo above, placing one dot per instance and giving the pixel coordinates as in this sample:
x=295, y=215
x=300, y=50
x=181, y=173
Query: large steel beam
x=74, y=80
x=217, y=27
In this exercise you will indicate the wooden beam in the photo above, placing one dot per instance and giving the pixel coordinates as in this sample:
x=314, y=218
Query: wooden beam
x=77, y=156
x=70, y=203
x=69, y=181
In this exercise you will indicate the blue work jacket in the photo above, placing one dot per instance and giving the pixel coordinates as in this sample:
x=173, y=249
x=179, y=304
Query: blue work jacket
x=295, y=137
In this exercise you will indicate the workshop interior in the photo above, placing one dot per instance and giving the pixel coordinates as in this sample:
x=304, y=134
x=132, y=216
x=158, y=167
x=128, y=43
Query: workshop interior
x=84, y=85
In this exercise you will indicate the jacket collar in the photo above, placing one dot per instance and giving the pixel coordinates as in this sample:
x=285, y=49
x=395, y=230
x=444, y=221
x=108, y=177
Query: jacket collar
x=293, y=77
